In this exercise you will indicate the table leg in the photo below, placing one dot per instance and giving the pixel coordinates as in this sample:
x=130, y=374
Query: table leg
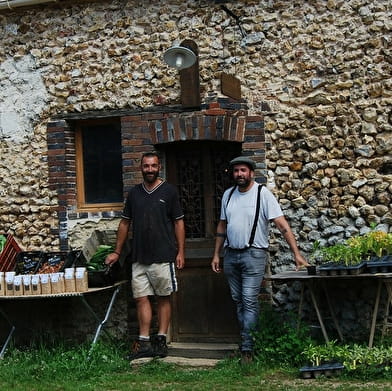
x=105, y=319
x=386, y=324
x=332, y=312
x=301, y=301
x=8, y=339
x=375, y=312
x=319, y=317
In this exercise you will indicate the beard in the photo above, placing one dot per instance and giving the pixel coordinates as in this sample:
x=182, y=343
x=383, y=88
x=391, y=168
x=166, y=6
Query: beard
x=242, y=182
x=150, y=177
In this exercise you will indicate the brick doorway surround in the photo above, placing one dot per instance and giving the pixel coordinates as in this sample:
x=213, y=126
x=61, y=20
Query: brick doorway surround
x=221, y=120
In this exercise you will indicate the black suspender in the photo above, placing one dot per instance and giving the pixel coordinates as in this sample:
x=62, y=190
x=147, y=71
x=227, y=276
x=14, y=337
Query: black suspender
x=252, y=235
x=231, y=193
x=253, y=232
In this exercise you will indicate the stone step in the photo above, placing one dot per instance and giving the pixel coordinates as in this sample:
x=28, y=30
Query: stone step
x=180, y=361
x=202, y=350
x=193, y=354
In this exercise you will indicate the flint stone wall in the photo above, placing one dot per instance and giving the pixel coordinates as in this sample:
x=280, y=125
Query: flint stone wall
x=319, y=71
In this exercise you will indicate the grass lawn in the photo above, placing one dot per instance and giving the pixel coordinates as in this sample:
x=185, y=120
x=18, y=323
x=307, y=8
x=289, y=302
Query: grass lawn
x=68, y=369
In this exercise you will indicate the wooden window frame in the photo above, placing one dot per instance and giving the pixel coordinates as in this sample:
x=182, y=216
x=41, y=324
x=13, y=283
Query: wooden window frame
x=82, y=206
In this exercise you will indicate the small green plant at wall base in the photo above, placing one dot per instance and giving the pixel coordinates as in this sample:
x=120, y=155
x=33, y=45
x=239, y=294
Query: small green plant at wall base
x=354, y=357
x=278, y=340
x=320, y=354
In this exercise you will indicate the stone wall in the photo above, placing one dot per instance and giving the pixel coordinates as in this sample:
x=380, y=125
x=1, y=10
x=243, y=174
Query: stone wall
x=319, y=71
x=323, y=67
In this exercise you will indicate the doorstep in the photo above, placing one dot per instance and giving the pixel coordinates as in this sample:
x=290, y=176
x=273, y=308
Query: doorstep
x=193, y=354
x=180, y=361
x=202, y=350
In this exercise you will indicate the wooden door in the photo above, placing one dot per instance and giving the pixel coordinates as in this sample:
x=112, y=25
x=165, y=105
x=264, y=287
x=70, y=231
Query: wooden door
x=203, y=310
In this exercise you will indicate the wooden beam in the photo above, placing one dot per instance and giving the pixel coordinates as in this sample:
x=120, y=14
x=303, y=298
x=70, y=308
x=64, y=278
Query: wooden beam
x=190, y=80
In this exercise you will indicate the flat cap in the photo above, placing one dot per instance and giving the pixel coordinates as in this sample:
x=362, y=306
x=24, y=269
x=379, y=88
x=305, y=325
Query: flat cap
x=243, y=160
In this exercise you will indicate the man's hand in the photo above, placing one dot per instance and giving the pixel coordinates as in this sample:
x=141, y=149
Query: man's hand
x=180, y=261
x=215, y=264
x=300, y=262
x=111, y=258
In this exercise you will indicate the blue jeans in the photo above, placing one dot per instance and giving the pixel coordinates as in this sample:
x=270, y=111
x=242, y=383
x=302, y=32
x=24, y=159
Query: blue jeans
x=244, y=270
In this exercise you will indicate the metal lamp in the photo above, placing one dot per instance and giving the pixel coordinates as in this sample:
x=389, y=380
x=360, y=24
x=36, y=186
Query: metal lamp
x=179, y=57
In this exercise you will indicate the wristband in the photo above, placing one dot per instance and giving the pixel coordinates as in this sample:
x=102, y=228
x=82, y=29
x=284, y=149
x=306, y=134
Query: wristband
x=115, y=252
x=220, y=235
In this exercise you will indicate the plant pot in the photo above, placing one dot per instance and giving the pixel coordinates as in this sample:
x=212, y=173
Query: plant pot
x=330, y=269
x=380, y=265
x=329, y=370
x=356, y=269
x=326, y=268
x=311, y=270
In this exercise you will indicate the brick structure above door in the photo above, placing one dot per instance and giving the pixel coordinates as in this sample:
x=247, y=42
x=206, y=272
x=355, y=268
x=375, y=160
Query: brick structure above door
x=223, y=120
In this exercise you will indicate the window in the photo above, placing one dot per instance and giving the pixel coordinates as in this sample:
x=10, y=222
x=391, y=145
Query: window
x=99, y=165
x=198, y=168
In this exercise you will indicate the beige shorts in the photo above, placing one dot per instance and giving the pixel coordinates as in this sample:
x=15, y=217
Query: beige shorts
x=156, y=279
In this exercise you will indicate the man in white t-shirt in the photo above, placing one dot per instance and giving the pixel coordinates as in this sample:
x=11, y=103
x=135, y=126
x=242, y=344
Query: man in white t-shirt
x=243, y=230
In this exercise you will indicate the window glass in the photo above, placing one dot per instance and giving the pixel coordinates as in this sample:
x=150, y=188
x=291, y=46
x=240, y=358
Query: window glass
x=100, y=174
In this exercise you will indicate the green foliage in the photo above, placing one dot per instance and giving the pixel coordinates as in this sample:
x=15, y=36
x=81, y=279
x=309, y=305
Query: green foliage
x=320, y=354
x=359, y=360
x=356, y=249
x=69, y=368
x=3, y=241
x=41, y=362
x=278, y=340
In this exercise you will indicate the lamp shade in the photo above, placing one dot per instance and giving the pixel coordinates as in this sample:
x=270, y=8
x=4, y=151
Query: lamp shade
x=179, y=57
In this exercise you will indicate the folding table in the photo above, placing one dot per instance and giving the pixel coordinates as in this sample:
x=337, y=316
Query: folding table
x=314, y=282
x=114, y=289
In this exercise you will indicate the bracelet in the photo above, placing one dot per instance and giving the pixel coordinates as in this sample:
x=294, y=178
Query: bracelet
x=115, y=252
x=220, y=235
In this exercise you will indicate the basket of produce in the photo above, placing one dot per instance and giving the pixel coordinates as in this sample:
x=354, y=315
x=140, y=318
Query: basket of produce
x=28, y=262
x=99, y=274
x=54, y=262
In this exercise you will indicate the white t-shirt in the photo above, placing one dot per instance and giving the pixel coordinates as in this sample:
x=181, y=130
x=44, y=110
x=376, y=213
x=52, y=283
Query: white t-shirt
x=239, y=215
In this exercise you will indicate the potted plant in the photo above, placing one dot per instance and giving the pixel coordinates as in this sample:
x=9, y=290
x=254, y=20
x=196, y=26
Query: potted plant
x=353, y=357
x=321, y=358
x=379, y=247
x=312, y=271
x=374, y=250
x=334, y=258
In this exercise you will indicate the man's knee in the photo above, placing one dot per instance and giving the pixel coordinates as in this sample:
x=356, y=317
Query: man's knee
x=141, y=301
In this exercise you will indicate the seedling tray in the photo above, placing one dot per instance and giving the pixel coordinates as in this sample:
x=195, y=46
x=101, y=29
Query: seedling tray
x=328, y=370
x=334, y=269
x=331, y=269
x=380, y=265
x=357, y=269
